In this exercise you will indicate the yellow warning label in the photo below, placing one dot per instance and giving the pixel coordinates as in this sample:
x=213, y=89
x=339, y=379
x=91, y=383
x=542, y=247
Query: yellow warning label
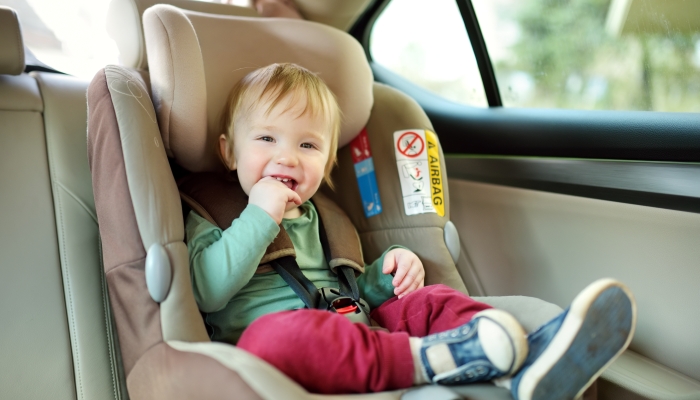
x=436, y=177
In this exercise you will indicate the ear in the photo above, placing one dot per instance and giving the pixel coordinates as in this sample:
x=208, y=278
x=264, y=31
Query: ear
x=225, y=151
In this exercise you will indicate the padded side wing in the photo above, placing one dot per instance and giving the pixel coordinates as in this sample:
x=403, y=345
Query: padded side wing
x=422, y=233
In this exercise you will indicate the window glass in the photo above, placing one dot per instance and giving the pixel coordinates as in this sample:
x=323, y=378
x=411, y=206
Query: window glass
x=594, y=54
x=426, y=43
x=71, y=35
x=68, y=35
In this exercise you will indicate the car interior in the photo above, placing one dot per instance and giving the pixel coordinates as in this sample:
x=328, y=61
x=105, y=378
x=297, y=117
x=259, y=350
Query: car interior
x=541, y=203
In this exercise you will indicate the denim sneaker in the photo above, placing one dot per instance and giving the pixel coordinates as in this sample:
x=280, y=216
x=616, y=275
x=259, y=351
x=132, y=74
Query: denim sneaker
x=491, y=345
x=569, y=352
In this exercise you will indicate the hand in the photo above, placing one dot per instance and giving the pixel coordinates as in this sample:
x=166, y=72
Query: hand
x=409, y=273
x=273, y=196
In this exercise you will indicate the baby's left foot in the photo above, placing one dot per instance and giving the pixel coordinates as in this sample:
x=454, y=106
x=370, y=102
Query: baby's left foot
x=489, y=346
x=569, y=352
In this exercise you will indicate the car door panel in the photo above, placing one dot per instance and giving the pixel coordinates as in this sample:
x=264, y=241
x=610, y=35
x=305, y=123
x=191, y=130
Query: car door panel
x=546, y=201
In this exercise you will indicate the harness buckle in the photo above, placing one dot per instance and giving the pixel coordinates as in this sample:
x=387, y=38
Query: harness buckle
x=333, y=301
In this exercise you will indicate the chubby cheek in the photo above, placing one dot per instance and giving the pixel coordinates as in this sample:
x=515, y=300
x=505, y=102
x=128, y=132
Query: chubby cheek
x=248, y=174
x=244, y=180
x=314, y=177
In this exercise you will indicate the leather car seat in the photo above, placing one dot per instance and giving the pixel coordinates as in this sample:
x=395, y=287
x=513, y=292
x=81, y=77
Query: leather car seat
x=56, y=338
x=132, y=142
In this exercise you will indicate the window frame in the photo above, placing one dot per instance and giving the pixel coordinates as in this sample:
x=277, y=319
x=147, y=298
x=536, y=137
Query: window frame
x=362, y=30
x=501, y=144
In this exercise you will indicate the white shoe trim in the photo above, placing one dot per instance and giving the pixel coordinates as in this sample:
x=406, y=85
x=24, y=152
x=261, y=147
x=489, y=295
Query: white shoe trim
x=515, y=333
x=440, y=358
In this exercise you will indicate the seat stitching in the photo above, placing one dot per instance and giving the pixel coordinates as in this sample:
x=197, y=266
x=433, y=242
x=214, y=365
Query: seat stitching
x=172, y=68
x=77, y=199
x=108, y=326
x=64, y=267
x=140, y=258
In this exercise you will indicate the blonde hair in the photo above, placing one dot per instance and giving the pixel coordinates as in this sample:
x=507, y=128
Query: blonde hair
x=273, y=83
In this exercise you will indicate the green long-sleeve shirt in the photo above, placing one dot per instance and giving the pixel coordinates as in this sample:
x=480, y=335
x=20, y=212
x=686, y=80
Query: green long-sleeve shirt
x=223, y=265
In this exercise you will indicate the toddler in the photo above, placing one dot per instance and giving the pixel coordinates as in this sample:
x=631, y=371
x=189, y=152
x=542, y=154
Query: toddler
x=281, y=127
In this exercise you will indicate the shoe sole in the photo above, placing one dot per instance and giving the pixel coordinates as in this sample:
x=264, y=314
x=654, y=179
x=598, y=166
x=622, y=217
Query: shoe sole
x=558, y=373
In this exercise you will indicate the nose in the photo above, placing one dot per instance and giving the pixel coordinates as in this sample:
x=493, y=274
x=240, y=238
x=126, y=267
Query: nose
x=287, y=157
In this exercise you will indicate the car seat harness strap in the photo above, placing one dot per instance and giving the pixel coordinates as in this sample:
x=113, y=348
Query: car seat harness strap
x=220, y=199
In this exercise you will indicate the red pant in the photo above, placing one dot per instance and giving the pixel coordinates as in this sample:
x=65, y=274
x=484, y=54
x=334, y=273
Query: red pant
x=326, y=353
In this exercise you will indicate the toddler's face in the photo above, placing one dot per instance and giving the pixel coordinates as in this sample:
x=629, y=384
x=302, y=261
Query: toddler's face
x=284, y=144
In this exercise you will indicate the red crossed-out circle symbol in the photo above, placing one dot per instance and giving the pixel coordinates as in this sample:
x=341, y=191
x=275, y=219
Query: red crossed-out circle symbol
x=410, y=144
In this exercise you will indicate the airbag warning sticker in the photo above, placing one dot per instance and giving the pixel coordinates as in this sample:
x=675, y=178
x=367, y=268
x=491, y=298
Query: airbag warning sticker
x=418, y=161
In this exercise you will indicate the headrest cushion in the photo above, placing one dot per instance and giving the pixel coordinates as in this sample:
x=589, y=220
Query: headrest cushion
x=195, y=59
x=124, y=24
x=11, y=44
x=124, y=20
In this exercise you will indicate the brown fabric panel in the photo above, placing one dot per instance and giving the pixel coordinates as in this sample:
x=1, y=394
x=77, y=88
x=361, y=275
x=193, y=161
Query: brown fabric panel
x=136, y=314
x=167, y=374
x=342, y=236
x=224, y=200
x=121, y=241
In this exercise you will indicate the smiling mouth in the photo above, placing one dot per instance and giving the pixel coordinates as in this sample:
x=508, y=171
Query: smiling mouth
x=291, y=183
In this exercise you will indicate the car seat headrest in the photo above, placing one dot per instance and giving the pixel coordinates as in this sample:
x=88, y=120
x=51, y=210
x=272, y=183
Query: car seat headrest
x=11, y=44
x=124, y=20
x=196, y=58
x=339, y=14
x=124, y=24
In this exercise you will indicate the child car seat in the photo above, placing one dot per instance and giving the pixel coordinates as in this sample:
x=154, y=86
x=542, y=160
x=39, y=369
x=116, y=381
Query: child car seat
x=194, y=60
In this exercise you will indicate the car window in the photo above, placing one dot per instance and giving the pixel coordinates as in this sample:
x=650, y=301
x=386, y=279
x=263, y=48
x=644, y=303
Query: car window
x=594, y=54
x=426, y=43
x=67, y=35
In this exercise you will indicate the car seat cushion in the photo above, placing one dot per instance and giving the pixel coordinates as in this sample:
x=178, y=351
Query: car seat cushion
x=123, y=255
x=137, y=204
x=168, y=373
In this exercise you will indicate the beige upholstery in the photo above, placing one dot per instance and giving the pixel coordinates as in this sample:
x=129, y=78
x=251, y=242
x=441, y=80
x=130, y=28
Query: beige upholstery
x=423, y=233
x=185, y=47
x=11, y=44
x=157, y=210
x=124, y=24
x=339, y=14
x=30, y=272
x=56, y=339
x=124, y=20
x=19, y=93
x=95, y=352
